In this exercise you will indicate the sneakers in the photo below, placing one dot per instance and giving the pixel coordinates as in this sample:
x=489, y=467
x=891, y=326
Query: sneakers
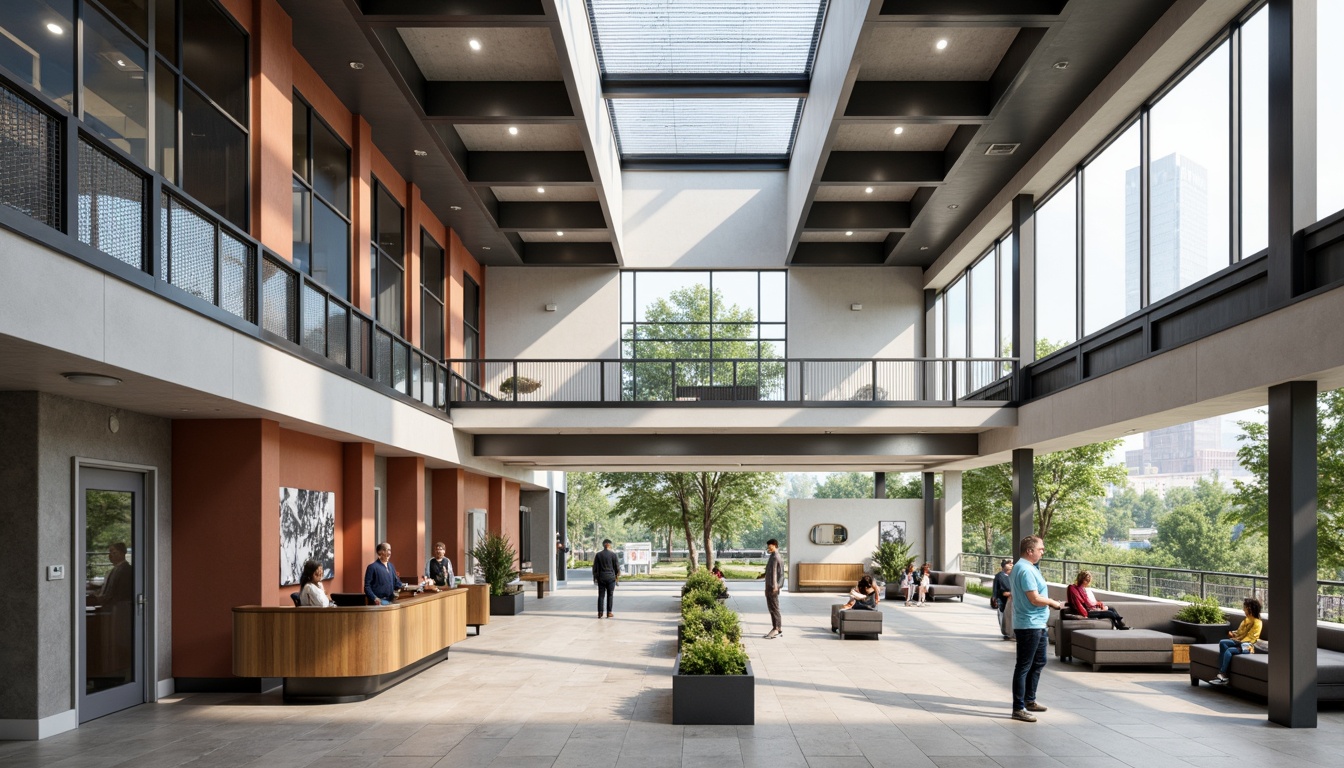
x=1219, y=680
x=772, y=634
x=1034, y=707
x=1024, y=716
x=1123, y=625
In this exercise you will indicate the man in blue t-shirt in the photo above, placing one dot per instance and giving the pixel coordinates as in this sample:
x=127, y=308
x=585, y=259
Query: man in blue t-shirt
x=1031, y=606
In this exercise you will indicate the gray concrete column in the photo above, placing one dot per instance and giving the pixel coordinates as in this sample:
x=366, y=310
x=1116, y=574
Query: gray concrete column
x=1024, y=497
x=1292, y=553
x=930, y=520
x=1292, y=142
x=949, y=524
x=1023, y=332
x=879, y=485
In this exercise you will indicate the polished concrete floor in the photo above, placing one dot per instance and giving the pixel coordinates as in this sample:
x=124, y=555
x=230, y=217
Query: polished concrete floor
x=557, y=687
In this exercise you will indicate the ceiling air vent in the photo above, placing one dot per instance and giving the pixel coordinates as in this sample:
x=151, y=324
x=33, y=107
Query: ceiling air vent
x=1001, y=149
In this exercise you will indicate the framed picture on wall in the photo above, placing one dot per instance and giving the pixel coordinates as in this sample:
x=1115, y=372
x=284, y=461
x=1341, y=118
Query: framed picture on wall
x=307, y=530
x=891, y=530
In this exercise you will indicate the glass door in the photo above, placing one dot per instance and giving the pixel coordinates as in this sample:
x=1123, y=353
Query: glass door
x=112, y=568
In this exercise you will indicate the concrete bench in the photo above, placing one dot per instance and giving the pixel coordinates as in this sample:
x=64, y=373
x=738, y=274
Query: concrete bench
x=828, y=575
x=855, y=622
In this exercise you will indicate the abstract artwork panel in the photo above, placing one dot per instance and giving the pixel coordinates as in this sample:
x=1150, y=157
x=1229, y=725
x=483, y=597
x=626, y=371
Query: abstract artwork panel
x=307, y=530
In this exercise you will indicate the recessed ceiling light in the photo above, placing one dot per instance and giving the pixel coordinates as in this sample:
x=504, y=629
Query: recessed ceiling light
x=849, y=233
x=867, y=190
x=1061, y=65
x=420, y=152
x=953, y=207
x=559, y=234
x=513, y=130
x=898, y=130
x=91, y=379
x=941, y=44
x=54, y=28
x=474, y=44
x=356, y=65
x=485, y=247
x=121, y=62
x=541, y=190
x=923, y=247
x=454, y=207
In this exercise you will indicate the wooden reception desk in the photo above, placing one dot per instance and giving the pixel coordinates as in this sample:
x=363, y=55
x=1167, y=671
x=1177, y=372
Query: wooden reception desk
x=347, y=654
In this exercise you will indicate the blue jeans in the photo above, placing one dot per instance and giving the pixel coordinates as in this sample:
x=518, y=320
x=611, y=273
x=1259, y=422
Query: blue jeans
x=1031, y=645
x=1226, y=650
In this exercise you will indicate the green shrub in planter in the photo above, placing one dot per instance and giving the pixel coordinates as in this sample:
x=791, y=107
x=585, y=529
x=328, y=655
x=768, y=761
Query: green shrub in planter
x=698, y=597
x=1201, y=611
x=717, y=621
x=704, y=580
x=891, y=558
x=496, y=555
x=713, y=656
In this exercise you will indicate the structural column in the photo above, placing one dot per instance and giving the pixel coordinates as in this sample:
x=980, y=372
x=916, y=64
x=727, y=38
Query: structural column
x=1023, y=332
x=1292, y=142
x=358, y=515
x=930, y=519
x=949, y=523
x=1292, y=553
x=448, y=513
x=406, y=513
x=1024, y=497
x=879, y=485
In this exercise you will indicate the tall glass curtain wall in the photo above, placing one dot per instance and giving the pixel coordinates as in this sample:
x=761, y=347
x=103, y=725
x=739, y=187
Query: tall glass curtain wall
x=166, y=83
x=321, y=201
x=389, y=260
x=431, y=296
x=1094, y=266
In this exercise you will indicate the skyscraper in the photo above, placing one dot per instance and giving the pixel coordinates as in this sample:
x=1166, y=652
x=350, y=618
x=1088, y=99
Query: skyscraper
x=1178, y=228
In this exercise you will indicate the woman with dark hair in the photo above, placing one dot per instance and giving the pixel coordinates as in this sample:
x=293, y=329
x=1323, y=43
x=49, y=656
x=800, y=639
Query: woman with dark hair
x=907, y=584
x=1084, y=602
x=921, y=580
x=311, y=593
x=863, y=597
x=1241, y=640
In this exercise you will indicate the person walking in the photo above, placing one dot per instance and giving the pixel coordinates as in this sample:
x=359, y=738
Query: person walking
x=1031, y=604
x=1002, y=597
x=606, y=575
x=774, y=577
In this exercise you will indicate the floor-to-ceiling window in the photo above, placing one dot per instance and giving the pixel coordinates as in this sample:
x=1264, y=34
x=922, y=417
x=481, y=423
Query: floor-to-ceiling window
x=389, y=260
x=431, y=296
x=321, y=201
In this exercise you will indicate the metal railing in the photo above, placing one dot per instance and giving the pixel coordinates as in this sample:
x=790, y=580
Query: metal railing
x=69, y=188
x=1229, y=589
x=932, y=381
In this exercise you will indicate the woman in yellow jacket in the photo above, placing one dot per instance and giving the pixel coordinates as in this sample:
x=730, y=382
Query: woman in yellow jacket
x=1240, y=641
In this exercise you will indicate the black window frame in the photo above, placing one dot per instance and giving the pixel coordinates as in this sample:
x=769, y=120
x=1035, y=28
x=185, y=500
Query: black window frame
x=471, y=327
x=379, y=254
x=428, y=296
x=312, y=196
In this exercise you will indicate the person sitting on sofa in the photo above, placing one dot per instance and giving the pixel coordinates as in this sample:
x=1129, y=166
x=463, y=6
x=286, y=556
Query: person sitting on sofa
x=922, y=578
x=1083, y=601
x=908, y=582
x=864, y=596
x=1241, y=640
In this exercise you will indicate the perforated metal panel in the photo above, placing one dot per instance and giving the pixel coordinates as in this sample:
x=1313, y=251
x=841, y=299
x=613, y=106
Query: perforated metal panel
x=278, y=312
x=382, y=358
x=359, y=344
x=30, y=159
x=111, y=206
x=337, y=321
x=399, y=366
x=314, y=320
x=237, y=276
x=190, y=249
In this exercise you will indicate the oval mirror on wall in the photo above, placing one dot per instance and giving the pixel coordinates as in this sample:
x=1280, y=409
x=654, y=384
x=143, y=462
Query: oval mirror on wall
x=828, y=533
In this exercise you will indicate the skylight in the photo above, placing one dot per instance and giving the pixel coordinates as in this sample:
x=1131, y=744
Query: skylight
x=739, y=43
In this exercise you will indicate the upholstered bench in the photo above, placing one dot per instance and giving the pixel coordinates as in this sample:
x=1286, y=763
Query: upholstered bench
x=1250, y=671
x=1108, y=647
x=852, y=622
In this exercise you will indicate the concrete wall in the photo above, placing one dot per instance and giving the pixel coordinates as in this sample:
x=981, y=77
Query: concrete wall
x=861, y=517
x=821, y=323
x=704, y=220
x=42, y=435
x=585, y=325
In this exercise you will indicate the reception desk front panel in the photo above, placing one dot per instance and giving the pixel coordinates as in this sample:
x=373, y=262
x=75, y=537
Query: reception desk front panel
x=356, y=650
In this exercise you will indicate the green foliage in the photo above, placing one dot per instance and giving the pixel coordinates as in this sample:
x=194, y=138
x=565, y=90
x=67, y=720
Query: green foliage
x=718, y=621
x=704, y=581
x=861, y=485
x=587, y=511
x=976, y=588
x=713, y=656
x=521, y=384
x=496, y=556
x=986, y=505
x=698, y=598
x=1253, y=495
x=107, y=520
x=891, y=558
x=1201, y=611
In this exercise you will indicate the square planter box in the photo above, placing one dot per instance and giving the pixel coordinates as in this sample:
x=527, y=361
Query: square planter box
x=713, y=699
x=1203, y=633
x=894, y=592
x=506, y=605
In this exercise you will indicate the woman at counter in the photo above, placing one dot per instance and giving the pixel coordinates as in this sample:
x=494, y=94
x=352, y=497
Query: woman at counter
x=311, y=594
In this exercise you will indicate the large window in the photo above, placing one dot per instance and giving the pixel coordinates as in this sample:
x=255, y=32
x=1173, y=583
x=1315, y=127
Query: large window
x=1111, y=232
x=1329, y=107
x=1056, y=271
x=321, y=201
x=37, y=46
x=703, y=315
x=471, y=319
x=389, y=260
x=431, y=296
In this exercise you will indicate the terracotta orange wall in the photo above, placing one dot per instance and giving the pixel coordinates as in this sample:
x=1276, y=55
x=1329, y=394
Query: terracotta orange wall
x=226, y=512
x=406, y=514
x=448, y=513
x=314, y=464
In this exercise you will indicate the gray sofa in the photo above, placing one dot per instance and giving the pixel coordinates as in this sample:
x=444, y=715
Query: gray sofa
x=1250, y=672
x=1149, y=642
x=852, y=622
x=946, y=584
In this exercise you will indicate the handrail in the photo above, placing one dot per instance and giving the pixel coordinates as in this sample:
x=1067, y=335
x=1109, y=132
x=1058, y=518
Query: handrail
x=1329, y=597
x=853, y=381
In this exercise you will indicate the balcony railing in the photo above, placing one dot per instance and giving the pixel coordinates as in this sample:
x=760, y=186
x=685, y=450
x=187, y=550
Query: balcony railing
x=912, y=381
x=67, y=187
x=1230, y=589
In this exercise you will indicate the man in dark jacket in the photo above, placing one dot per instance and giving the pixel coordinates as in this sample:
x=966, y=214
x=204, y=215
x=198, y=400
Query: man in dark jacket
x=774, y=578
x=606, y=575
x=1003, y=593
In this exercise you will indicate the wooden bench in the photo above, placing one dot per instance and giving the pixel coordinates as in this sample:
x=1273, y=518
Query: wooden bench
x=829, y=575
x=543, y=581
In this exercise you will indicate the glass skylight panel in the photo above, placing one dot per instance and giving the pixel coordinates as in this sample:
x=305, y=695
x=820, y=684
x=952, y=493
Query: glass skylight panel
x=750, y=127
x=718, y=37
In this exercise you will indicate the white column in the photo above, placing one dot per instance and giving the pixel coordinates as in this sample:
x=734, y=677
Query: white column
x=949, y=524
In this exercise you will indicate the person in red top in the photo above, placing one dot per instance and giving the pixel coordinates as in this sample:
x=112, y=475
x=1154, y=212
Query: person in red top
x=1083, y=602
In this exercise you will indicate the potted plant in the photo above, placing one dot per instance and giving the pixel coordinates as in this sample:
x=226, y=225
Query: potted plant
x=712, y=680
x=495, y=556
x=519, y=385
x=890, y=560
x=1202, y=619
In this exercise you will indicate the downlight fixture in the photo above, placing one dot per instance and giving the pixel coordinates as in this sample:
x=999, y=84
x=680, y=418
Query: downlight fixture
x=91, y=379
x=474, y=44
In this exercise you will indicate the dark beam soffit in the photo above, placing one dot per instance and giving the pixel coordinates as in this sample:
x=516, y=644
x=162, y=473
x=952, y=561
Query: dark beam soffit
x=543, y=216
x=704, y=163
x=704, y=86
x=495, y=169
x=441, y=13
x=895, y=447
x=840, y=254
x=966, y=12
x=923, y=168
x=953, y=102
x=569, y=254
x=472, y=101
x=852, y=215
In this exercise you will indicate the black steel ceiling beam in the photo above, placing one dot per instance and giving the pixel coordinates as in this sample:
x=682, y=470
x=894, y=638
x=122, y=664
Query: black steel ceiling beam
x=495, y=101
x=923, y=168
x=496, y=169
x=569, y=254
x=944, y=446
x=541, y=216
x=1006, y=75
x=967, y=12
x=451, y=13
x=931, y=101
x=855, y=215
x=704, y=163
x=839, y=254
x=704, y=87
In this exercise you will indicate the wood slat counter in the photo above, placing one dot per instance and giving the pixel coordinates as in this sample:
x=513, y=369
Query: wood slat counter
x=347, y=654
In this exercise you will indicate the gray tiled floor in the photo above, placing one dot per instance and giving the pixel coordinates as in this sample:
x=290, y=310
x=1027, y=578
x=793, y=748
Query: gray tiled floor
x=557, y=688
